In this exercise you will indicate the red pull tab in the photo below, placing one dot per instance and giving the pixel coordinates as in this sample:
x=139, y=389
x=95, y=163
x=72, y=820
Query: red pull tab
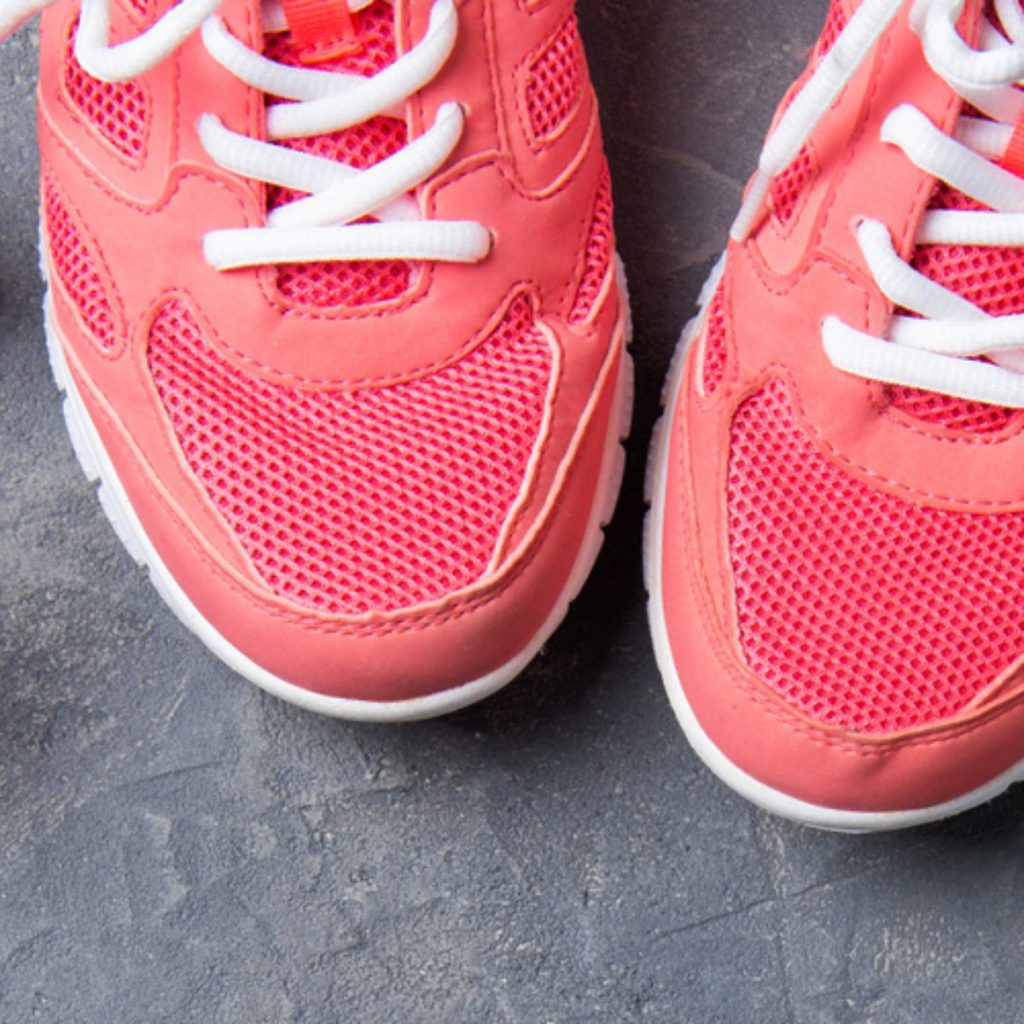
x=1013, y=158
x=323, y=29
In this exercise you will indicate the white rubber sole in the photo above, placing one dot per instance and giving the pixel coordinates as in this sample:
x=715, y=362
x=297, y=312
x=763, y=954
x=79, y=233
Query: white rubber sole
x=97, y=466
x=769, y=799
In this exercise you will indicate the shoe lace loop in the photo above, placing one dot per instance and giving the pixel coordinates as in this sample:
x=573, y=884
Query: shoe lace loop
x=330, y=222
x=947, y=344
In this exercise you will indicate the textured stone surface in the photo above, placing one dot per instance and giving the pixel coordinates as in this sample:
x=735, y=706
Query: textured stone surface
x=176, y=847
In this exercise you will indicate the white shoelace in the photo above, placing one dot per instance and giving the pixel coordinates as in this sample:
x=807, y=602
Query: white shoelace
x=320, y=225
x=937, y=350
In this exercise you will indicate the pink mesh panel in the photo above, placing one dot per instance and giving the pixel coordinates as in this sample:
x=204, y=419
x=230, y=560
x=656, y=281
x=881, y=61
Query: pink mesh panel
x=356, y=283
x=342, y=284
x=714, y=344
x=377, y=499
x=835, y=22
x=600, y=242
x=554, y=80
x=789, y=186
x=863, y=610
x=362, y=145
x=119, y=111
x=990, y=277
x=951, y=413
x=75, y=268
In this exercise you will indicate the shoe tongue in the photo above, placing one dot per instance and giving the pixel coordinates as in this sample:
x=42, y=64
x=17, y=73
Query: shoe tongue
x=991, y=277
x=322, y=28
x=370, y=49
x=365, y=47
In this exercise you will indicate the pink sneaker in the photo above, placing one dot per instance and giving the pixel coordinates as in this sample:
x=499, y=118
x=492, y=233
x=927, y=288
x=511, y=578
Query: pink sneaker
x=333, y=299
x=836, y=543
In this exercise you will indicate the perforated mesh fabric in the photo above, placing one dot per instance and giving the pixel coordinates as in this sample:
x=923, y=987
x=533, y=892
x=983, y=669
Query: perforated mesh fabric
x=349, y=502
x=600, y=242
x=862, y=609
x=789, y=186
x=993, y=279
x=952, y=413
x=119, y=111
x=835, y=22
x=75, y=267
x=715, y=353
x=989, y=276
x=554, y=80
x=342, y=284
x=359, y=283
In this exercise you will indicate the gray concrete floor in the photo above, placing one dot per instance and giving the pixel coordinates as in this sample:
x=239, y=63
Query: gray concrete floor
x=176, y=847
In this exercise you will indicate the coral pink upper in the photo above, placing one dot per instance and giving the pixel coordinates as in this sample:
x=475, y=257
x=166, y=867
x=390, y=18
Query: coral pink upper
x=851, y=632
x=347, y=449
